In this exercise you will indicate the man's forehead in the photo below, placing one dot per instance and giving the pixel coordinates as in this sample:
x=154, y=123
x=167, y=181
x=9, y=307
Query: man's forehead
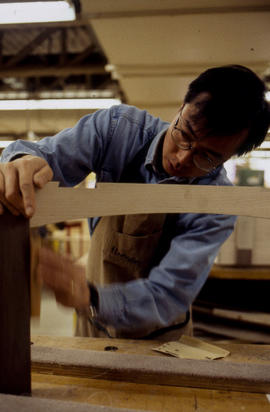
x=225, y=143
x=195, y=110
x=201, y=100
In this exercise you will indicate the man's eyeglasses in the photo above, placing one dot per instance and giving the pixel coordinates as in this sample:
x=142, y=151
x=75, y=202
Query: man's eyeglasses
x=200, y=159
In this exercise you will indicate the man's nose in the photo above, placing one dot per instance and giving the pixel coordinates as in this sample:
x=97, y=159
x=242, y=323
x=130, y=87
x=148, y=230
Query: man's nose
x=184, y=157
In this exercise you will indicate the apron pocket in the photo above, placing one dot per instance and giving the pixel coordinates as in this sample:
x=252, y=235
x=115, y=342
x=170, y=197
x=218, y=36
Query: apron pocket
x=132, y=253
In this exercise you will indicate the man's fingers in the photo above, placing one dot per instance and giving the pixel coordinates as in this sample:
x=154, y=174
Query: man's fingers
x=2, y=191
x=9, y=189
x=43, y=176
x=54, y=260
x=26, y=169
x=55, y=270
x=1, y=209
x=18, y=179
x=63, y=299
x=6, y=205
x=3, y=199
x=28, y=195
x=29, y=169
x=66, y=279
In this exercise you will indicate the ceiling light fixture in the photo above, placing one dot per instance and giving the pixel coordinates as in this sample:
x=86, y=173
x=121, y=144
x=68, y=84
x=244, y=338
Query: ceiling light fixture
x=5, y=143
x=264, y=145
x=36, y=12
x=57, y=94
x=58, y=104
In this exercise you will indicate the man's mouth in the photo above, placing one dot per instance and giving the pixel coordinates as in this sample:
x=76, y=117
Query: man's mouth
x=172, y=169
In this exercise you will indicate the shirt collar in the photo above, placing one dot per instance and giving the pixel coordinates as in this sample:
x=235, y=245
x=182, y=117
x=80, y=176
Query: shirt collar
x=154, y=154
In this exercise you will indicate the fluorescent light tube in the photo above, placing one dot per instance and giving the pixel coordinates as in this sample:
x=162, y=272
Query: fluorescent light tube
x=36, y=12
x=58, y=104
x=265, y=145
x=57, y=94
x=5, y=143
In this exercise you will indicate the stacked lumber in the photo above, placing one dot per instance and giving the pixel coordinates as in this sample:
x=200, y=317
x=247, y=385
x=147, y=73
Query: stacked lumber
x=234, y=303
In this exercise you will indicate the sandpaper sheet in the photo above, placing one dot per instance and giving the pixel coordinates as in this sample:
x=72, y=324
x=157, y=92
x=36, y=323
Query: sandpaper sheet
x=192, y=348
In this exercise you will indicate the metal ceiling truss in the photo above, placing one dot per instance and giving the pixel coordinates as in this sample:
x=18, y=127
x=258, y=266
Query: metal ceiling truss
x=58, y=57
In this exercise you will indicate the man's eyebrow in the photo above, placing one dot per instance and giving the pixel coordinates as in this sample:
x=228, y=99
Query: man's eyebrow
x=190, y=129
x=215, y=154
x=212, y=152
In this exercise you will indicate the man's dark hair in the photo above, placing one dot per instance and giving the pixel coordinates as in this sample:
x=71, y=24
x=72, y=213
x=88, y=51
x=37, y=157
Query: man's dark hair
x=237, y=102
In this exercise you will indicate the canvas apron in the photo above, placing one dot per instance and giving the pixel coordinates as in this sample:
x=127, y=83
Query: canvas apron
x=122, y=249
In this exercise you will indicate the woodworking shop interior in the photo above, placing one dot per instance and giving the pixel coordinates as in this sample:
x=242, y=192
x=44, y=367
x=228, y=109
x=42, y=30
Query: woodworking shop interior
x=142, y=53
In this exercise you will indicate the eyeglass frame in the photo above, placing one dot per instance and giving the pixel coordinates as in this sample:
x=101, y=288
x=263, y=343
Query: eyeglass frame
x=190, y=147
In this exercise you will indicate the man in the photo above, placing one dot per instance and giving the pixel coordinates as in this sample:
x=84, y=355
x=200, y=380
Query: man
x=146, y=270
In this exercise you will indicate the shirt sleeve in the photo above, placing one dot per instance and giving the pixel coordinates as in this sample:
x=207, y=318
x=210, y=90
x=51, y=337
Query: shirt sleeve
x=142, y=306
x=73, y=153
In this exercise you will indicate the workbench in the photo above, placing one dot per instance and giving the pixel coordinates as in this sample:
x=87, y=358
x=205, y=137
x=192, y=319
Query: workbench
x=149, y=397
x=84, y=374
x=240, y=273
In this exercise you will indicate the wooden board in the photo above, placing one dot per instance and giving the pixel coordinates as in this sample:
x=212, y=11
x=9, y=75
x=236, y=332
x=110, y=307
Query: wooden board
x=243, y=353
x=142, y=396
x=10, y=403
x=160, y=370
x=14, y=305
x=86, y=394
x=114, y=394
x=245, y=273
x=59, y=204
x=146, y=397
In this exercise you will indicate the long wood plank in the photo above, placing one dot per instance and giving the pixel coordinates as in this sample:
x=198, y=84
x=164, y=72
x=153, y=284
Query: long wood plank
x=146, y=397
x=160, y=370
x=56, y=204
x=9, y=403
x=243, y=353
x=14, y=305
x=244, y=273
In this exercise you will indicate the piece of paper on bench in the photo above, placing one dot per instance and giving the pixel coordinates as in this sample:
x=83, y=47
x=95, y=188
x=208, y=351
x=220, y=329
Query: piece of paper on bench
x=192, y=348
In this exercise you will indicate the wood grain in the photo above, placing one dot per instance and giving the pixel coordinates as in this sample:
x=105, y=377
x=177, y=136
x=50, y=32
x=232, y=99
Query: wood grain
x=58, y=204
x=243, y=353
x=147, y=397
x=14, y=305
x=245, y=273
x=157, y=370
x=10, y=403
x=136, y=396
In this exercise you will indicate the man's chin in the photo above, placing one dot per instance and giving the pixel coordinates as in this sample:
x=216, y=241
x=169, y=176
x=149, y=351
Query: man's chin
x=188, y=174
x=184, y=172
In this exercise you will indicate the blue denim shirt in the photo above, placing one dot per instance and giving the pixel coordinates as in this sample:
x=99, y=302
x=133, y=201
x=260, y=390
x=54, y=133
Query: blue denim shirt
x=105, y=142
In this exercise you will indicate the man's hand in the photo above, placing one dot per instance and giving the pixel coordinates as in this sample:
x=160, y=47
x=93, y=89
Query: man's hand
x=18, y=179
x=66, y=279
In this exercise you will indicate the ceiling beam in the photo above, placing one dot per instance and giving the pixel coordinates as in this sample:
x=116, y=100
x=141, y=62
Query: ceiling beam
x=160, y=70
x=174, y=12
x=85, y=16
x=45, y=34
x=63, y=40
x=73, y=62
x=53, y=71
x=1, y=47
x=82, y=56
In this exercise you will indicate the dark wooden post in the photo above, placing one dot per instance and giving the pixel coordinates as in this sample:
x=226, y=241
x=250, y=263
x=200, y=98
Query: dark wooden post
x=15, y=365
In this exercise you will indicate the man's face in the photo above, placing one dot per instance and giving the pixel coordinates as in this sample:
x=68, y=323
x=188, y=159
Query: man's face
x=207, y=151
